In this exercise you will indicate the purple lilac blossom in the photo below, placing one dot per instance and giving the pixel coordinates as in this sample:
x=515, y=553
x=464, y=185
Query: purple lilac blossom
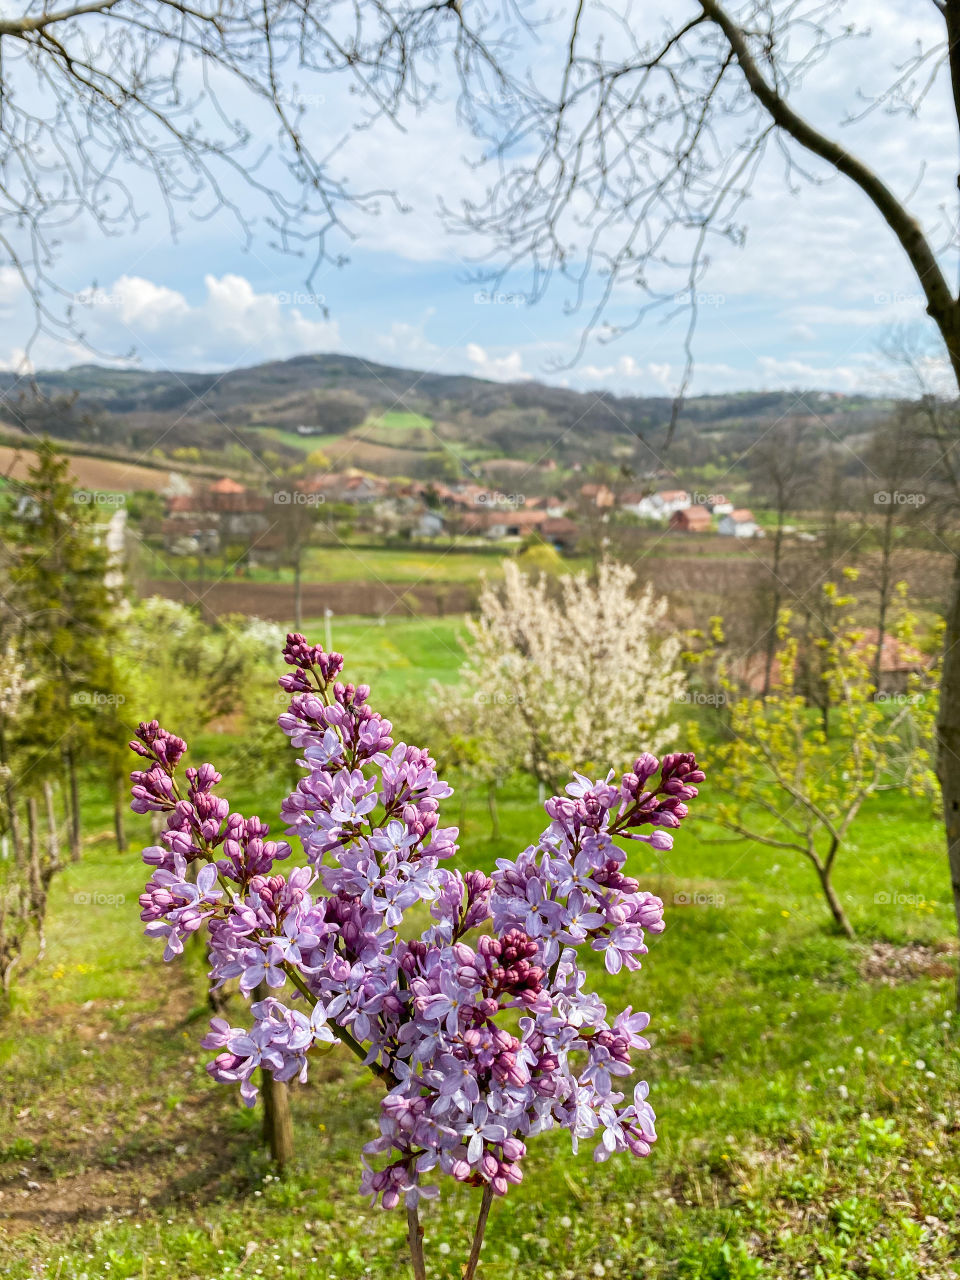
x=481, y=1043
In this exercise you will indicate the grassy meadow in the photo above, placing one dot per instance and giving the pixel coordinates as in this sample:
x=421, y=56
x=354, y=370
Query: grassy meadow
x=346, y=562
x=807, y=1088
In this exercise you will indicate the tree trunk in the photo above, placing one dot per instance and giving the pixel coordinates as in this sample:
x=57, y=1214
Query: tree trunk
x=13, y=821
x=884, y=603
x=494, y=811
x=297, y=594
x=201, y=579
x=10, y=798
x=75, y=829
x=948, y=741
x=37, y=887
x=53, y=833
x=120, y=814
x=771, y=646
x=277, y=1120
x=833, y=902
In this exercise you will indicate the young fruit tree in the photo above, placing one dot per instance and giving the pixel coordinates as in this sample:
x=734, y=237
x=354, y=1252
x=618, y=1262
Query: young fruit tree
x=794, y=771
x=571, y=673
x=481, y=1028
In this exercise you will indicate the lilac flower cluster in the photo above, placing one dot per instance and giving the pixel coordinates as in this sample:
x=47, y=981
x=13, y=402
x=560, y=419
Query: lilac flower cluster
x=481, y=1028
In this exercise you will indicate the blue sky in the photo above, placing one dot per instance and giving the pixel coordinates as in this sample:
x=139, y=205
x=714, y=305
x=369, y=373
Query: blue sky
x=808, y=302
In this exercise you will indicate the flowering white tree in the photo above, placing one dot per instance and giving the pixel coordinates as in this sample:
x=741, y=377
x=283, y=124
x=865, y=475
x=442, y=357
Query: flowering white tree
x=571, y=673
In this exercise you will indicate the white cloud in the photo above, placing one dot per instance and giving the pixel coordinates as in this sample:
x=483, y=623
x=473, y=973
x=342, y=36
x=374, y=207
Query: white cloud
x=144, y=306
x=230, y=323
x=407, y=343
x=786, y=373
x=11, y=286
x=508, y=368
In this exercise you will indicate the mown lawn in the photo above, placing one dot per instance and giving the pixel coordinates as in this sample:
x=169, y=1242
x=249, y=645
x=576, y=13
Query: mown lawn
x=809, y=1117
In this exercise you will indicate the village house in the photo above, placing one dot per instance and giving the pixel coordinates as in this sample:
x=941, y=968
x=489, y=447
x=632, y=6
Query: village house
x=429, y=524
x=899, y=661
x=739, y=524
x=719, y=506
x=599, y=495
x=210, y=518
x=899, y=664
x=502, y=522
x=560, y=532
x=352, y=487
x=691, y=520
x=658, y=506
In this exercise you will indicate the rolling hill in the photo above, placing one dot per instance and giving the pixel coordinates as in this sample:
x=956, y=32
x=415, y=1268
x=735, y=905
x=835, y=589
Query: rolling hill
x=399, y=421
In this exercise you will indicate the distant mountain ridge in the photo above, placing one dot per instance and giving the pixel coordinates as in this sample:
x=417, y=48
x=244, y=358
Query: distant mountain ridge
x=342, y=397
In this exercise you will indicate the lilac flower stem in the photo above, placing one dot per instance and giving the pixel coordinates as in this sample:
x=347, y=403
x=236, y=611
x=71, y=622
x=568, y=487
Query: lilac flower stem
x=472, y=1262
x=415, y=1237
x=343, y=1034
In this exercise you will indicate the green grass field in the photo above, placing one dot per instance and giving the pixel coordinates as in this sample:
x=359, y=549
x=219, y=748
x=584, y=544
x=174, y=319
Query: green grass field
x=349, y=563
x=293, y=439
x=400, y=420
x=808, y=1116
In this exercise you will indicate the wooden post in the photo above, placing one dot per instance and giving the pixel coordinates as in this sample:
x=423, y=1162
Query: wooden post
x=492, y=807
x=75, y=845
x=37, y=890
x=120, y=813
x=13, y=821
x=53, y=833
